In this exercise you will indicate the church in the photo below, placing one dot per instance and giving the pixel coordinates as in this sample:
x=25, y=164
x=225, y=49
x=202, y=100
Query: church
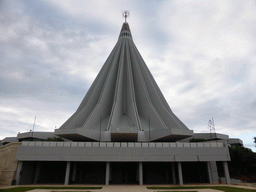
x=123, y=132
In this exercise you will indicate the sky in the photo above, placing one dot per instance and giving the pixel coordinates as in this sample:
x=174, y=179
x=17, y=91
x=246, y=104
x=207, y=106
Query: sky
x=202, y=55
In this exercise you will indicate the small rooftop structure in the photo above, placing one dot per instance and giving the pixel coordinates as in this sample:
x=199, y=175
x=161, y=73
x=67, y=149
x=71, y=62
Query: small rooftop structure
x=7, y=140
x=233, y=142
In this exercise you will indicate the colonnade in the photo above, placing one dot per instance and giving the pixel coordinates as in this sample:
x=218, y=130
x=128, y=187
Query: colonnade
x=211, y=166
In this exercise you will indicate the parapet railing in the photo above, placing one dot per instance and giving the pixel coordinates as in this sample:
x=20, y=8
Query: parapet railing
x=119, y=144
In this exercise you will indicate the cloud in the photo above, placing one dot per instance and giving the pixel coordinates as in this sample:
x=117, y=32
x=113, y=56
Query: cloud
x=202, y=55
x=209, y=63
x=38, y=70
x=214, y=28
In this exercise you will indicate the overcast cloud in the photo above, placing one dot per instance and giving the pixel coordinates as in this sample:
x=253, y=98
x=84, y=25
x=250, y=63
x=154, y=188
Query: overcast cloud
x=201, y=53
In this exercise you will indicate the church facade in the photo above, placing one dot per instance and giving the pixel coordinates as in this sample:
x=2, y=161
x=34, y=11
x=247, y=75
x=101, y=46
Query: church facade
x=123, y=132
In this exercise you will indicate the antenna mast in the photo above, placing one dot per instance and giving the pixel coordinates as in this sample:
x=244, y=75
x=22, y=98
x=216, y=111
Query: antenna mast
x=34, y=126
x=211, y=127
x=125, y=15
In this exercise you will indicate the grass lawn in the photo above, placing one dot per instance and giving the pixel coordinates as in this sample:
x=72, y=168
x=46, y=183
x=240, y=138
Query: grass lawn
x=23, y=189
x=222, y=188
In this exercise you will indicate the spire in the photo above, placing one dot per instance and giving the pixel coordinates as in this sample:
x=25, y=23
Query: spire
x=125, y=31
x=124, y=103
x=125, y=27
x=125, y=15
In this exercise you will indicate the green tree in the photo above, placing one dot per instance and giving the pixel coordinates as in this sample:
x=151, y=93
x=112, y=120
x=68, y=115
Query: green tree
x=243, y=164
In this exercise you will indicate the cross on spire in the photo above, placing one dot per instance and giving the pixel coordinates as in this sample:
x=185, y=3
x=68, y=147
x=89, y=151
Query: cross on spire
x=125, y=15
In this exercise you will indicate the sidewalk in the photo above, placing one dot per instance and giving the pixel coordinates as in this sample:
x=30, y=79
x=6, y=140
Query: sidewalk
x=126, y=188
x=130, y=188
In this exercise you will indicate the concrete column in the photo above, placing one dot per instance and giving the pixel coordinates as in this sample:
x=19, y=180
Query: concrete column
x=213, y=172
x=107, y=173
x=37, y=173
x=180, y=173
x=74, y=172
x=18, y=172
x=173, y=174
x=209, y=172
x=110, y=172
x=67, y=173
x=226, y=172
x=141, y=173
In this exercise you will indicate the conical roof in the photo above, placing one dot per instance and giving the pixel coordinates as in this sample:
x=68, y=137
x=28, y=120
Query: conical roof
x=124, y=102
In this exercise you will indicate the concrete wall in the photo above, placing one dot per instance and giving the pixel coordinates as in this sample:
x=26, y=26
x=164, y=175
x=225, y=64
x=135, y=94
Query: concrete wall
x=8, y=164
x=122, y=152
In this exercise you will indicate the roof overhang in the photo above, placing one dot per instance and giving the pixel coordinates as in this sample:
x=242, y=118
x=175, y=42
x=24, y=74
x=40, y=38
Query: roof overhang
x=169, y=135
x=79, y=134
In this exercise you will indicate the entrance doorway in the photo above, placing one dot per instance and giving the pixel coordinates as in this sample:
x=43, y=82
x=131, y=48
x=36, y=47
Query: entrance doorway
x=52, y=172
x=195, y=172
x=124, y=173
x=157, y=173
x=87, y=173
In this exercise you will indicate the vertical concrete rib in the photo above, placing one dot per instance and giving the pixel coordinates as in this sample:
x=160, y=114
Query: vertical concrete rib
x=180, y=173
x=91, y=98
x=151, y=79
x=18, y=172
x=143, y=101
x=131, y=109
x=107, y=173
x=98, y=83
x=105, y=101
x=141, y=173
x=117, y=106
x=37, y=173
x=209, y=172
x=214, y=171
x=226, y=172
x=156, y=96
x=67, y=173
